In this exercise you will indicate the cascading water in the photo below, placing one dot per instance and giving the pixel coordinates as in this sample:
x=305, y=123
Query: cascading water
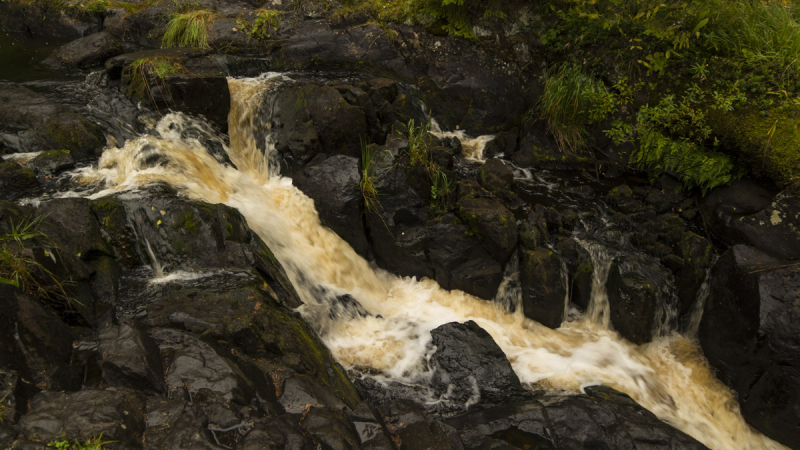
x=391, y=339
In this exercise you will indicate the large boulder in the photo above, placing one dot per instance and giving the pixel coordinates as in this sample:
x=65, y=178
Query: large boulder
x=48, y=20
x=308, y=119
x=30, y=122
x=748, y=333
x=601, y=418
x=397, y=226
x=633, y=302
x=471, y=368
x=333, y=184
x=493, y=223
x=83, y=53
x=16, y=181
x=747, y=213
x=459, y=261
x=544, y=293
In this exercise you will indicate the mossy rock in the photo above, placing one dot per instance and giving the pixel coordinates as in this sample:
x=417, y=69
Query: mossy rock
x=16, y=181
x=768, y=152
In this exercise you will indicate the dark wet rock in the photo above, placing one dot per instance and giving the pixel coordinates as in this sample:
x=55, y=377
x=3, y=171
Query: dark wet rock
x=16, y=181
x=370, y=428
x=332, y=427
x=117, y=232
x=410, y=428
x=29, y=122
x=47, y=20
x=117, y=414
x=7, y=434
x=278, y=433
x=748, y=333
x=301, y=393
x=131, y=359
x=601, y=418
x=33, y=339
x=316, y=44
x=504, y=142
x=249, y=318
x=471, y=368
x=83, y=53
x=308, y=119
x=14, y=391
x=199, y=87
x=398, y=229
x=543, y=290
x=459, y=261
x=194, y=365
x=488, y=219
x=333, y=184
x=72, y=225
x=774, y=230
x=207, y=422
x=52, y=162
x=495, y=176
x=580, y=269
x=633, y=303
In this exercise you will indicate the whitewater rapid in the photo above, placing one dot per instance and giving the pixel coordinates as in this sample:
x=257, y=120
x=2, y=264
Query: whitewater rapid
x=668, y=376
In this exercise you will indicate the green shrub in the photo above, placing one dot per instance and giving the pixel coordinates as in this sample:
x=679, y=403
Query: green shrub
x=188, y=29
x=266, y=24
x=571, y=101
x=457, y=15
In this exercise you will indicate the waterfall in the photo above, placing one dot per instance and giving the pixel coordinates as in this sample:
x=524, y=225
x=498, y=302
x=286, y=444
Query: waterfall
x=390, y=340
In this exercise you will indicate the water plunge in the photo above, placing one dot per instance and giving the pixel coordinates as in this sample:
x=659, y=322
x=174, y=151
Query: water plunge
x=390, y=342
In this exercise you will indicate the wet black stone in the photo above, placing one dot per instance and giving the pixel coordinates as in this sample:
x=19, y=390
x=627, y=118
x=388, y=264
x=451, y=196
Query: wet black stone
x=543, y=289
x=131, y=359
x=470, y=367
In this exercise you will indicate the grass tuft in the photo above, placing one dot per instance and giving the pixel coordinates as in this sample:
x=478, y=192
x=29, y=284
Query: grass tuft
x=571, y=100
x=368, y=179
x=98, y=443
x=189, y=29
x=144, y=74
x=18, y=266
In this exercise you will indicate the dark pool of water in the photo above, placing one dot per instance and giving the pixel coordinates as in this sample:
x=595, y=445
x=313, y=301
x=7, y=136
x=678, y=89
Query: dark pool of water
x=21, y=58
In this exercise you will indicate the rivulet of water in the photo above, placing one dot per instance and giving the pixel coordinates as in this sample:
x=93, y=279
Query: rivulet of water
x=668, y=376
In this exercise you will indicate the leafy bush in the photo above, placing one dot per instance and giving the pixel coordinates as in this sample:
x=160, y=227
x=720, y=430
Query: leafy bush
x=188, y=29
x=693, y=165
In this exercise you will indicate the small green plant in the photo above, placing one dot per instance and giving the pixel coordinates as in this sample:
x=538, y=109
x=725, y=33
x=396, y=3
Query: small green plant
x=98, y=443
x=188, y=29
x=368, y=178
x=19, y=268
x=266, y=24
x=144, y=74
x=441, y=189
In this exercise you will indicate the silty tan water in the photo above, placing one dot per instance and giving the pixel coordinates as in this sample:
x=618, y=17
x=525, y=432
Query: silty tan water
x=668, y=376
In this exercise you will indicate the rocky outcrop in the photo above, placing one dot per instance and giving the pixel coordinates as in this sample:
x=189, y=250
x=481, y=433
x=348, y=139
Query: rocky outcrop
x=30, y=122
x=86, y=52
x=748, y=334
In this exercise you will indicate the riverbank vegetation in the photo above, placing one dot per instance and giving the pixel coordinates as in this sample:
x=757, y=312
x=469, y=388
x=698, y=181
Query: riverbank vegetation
x=698, y=88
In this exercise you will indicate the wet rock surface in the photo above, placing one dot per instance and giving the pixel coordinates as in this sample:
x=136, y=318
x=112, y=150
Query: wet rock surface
x=746, y=333
x=215, y=358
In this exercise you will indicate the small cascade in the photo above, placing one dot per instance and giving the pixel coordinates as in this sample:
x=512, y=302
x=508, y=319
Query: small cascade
x=566, y=281
x=693, y=324
x=158, y=269
x=509, y=293
x=378, y=325
x=472, y=148
x=599, y=311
